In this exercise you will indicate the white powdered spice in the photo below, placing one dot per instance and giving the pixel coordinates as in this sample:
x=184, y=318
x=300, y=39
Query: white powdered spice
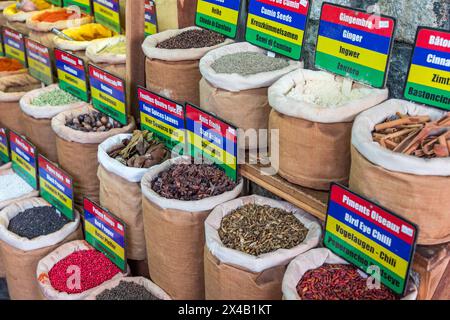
x=12, y=186
x=326, y=93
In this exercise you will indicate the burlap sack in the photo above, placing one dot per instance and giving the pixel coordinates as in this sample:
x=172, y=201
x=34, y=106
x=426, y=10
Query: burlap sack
x=12, y=89
x=315, y=140
x=18, y=251
x=6, y=170
x=312, y=260
x=113, y=63
x=150, y=286
x=412, y=187
x=233, y=275
x=77, y=152
x=175, y=237
x=49, y=261
x=174, y=73
x=75, y=20
x=16, y=19
x=3, y=6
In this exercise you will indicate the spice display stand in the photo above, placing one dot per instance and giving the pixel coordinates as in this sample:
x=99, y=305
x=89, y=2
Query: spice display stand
x=430, y=262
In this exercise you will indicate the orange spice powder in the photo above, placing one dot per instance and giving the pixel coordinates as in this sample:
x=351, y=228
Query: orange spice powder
x=7, y=64
x=54, y=16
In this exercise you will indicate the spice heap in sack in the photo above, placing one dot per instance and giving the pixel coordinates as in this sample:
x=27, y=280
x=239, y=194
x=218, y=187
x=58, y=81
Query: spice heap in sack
x=16, y=17
x=248, y=63
x=142, y=150
x=417, y=136
x=8, y=65
x=12, y=187
x=56, y=97
x=93, y=122
x=126, y=291
x=109, y=54
x=194, y=38
x=117, y=48
x=339, y=282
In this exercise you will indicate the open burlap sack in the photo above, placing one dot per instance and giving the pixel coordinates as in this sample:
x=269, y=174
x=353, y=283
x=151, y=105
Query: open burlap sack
x=6, y=170
x=175, y=236
x=234, y=275
x=147, y=284
x=412, y=187
x=3, y=6
x=77, y=152
x=314, y=139
x=12, y=89
x=174, y=73
x=314, y=259
x=49, y=261
x=16, y=250
x=16, y=19
x=111, y=62
x=82, y=36
x=38, y=119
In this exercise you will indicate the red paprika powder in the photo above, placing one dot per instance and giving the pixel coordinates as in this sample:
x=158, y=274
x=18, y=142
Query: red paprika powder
x=59, y=15
x=7, y=64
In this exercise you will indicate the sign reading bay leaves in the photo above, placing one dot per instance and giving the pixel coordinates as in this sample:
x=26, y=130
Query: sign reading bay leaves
x=212, y=139
x=221, y=16
x=429, y=74
x=4, y=146
x=85, y=5
x=278, y=26
x=56, y=187
x=14, y=45
x=108, y=94
x=355, y=44
x=151, y=25
x=72, y=74
x=106, y=233
x=39, y=61
x=24, y=159
x=367, y=235
x=107, y=13
x=163, y=117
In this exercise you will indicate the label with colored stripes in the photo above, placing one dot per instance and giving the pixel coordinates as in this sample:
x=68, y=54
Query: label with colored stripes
x=163, y=117
x=212, y=139
x=58, y=3
x=39, y=61
x=428, y=79
x=108, y=94
x=24, y=159
x=105, y=232
x=84, y=5
x=4, y=146
x=14, y=45
x=2, y=51
x=72, y=74
x=56, y=186
x=107, y=13
x=151, y=24
x=221, y=16
x=370, y=237
x=355, y=44
x=278, y=26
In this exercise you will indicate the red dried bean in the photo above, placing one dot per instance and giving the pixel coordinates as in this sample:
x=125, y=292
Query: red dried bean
x=94, y=269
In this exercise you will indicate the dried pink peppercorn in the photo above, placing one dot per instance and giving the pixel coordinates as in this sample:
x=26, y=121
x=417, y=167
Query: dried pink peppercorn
x=90, y=266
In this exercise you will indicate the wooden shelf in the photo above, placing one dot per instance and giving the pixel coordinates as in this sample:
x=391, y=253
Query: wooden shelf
x=430, y=262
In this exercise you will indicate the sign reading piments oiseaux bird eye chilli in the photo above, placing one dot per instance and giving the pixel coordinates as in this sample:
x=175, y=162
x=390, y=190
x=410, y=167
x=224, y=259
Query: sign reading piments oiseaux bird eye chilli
x=24, y=159
x=212, y=139
x=84, y=5
x=108, y=94
x=105, y=232
x=355, y=44
x=428, y=79
x=221, y=16
x=163, y=117
x=72, y=74
x=107, y=13
x=14, y=45
x=4, y=146
x=373, y=239
x=278, y=26
x=151, y=22
x=39, y=61
x=56, y=186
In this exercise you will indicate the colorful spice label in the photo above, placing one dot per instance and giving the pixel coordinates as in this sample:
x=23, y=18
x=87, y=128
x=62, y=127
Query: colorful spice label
x=39, y=61
x=14, y=45
x=56, y=186
x=58, y=3
x=278, y=26
x=105, y=232
x=2, y=51
x=221, y=16
x=163, y=117
x=428, y=79
x=369, y=236
x=84, y=5
x=107, y=13
x=72, y=74
x=24, y=159
x=355, y=44
x=212, y=139
x=151, y=22
x=108, y=94
x=4, y=146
